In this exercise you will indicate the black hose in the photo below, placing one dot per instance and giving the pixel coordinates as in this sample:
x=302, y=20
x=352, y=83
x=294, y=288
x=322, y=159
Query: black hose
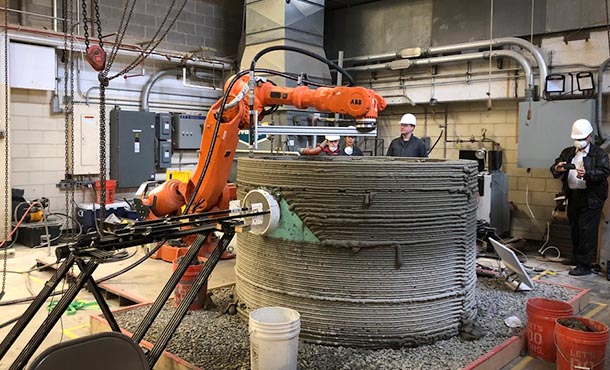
x=328, y=62
x=213, y=143
x=436, y=142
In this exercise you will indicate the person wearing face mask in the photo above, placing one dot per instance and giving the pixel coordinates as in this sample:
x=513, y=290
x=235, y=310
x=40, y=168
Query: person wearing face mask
x=350, y=147
x=407, y=145
x=330, y=146
x=583, y=169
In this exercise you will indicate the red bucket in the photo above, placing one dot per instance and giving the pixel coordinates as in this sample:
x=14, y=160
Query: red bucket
x=541, y=316
x=185, y=284
x=110, y=190
x=578, y=349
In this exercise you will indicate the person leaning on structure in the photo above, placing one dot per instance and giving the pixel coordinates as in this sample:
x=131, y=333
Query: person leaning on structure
x=407, y=145
x=584, y=170
x=330, y=146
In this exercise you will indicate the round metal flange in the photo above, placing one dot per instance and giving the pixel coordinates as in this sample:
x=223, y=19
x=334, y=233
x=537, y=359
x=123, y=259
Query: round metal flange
x=261, y=200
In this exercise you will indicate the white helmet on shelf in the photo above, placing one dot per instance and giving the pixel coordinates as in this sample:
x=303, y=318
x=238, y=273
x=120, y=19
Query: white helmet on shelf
x=408, y=119
x=581, y=129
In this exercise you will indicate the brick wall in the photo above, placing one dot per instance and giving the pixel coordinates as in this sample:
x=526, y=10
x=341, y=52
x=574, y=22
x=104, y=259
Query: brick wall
x=466, y=120
x=37, y=146
x=212, y=24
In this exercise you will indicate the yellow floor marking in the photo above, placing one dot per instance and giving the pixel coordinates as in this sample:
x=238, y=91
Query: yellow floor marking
x=521, y=364
x=68, y=331
x=593, y=312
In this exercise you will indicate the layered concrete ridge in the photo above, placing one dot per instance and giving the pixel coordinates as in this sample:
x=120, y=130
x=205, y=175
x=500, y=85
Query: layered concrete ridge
x=395, y=260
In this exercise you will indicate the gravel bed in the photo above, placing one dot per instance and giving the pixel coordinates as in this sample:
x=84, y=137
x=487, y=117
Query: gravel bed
x=213, y=340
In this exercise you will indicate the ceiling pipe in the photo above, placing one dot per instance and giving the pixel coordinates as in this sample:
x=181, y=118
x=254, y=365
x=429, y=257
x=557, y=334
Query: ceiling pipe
x=411, y=52
x=144, y=97
x=49, y=38
x=600, y=102
x=525, y=64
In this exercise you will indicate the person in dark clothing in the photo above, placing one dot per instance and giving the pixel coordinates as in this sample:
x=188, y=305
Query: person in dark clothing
x=584, y=170
x=350, y=147
x=407, y=145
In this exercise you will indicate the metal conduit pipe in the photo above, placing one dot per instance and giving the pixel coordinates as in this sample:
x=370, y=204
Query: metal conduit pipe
x=49, y=38
x=148, y=86
x=403, y=53
x=536, y=53
x=600, y=101
x=527, y=68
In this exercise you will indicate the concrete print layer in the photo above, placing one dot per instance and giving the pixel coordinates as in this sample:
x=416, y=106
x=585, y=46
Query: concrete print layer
x=396, y=260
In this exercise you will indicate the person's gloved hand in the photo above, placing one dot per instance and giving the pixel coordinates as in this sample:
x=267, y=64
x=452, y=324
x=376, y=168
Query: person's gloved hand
x=324, y=144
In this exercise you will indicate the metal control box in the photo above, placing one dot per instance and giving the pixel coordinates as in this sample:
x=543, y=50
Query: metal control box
x=187, y=131
x=132, y=147
x=164, y=154
x=163, y=126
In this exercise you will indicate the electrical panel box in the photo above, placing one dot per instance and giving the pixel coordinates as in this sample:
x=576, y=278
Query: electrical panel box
x=86, y=141
x=493, y=201
x=164, y=154
x=163, y=126
x=187, y=130
x=132, y=147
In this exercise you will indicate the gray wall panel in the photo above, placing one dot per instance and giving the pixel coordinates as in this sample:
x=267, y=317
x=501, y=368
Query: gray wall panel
x=378, y=27
x=548, y=132
x=456, y=22
x=565, y=15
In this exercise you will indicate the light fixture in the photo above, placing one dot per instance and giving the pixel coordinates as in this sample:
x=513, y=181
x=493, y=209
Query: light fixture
x=585, y=81
x=480, y=153
x=555, y=84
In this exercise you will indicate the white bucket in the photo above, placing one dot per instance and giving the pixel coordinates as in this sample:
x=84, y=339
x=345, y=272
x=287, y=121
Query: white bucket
x=274, y=338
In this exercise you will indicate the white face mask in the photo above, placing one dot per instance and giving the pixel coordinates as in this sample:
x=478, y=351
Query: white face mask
x=332, y=148
x=348, y=150
x=580, y=144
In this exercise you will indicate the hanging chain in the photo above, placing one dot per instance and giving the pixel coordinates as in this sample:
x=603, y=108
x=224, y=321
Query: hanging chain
x=103, y=83
x=98, y=23
x=118, y=40
x=65, y=57
x=71, y=211
x=85, y=24
x=7, y=222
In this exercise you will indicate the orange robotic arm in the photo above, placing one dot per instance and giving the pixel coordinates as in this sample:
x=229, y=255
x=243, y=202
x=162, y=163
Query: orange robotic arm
x=168, y=198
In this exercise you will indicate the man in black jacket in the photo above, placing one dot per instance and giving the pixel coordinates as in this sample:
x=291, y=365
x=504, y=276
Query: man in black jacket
x=407, y=145
x=584, y=170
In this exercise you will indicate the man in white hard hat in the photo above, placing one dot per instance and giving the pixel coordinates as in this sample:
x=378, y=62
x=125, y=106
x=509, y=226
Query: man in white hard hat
x=350, y=147
x=330, y=146
x=584, y=170
x=407, y=145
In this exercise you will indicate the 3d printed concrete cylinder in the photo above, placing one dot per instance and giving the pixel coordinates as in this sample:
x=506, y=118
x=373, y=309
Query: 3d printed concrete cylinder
x=371, y=251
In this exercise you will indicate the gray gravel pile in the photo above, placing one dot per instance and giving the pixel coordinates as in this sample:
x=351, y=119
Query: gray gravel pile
x=213, y=340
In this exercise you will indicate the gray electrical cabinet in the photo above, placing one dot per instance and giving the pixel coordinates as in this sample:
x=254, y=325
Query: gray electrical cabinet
x=187, y=131
x=163, y=140
x=132, y=147
x=493, y=201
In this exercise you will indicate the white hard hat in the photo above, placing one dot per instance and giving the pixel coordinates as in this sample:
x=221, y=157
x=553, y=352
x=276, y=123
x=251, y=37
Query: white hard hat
x=581, y=129
x=332, y=137
x=408, y=119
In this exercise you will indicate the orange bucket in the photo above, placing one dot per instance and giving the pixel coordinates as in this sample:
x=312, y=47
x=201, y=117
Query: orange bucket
x=578, y=349
x=110, y=190
x=185, y=284
x=541, y=316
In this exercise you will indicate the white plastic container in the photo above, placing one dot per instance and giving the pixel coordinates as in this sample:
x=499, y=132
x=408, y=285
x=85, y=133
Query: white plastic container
x=274, y=338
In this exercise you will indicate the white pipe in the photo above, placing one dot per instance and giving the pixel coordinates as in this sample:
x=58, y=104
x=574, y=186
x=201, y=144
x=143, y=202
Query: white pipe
x=59, y=43
x=527, y=68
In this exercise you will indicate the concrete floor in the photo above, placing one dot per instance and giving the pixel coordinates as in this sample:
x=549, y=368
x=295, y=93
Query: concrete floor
x=144, y=283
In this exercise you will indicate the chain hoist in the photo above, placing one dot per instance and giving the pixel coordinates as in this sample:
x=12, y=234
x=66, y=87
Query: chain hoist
x=94, y=54
x=7, y=219
x=68, y=63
